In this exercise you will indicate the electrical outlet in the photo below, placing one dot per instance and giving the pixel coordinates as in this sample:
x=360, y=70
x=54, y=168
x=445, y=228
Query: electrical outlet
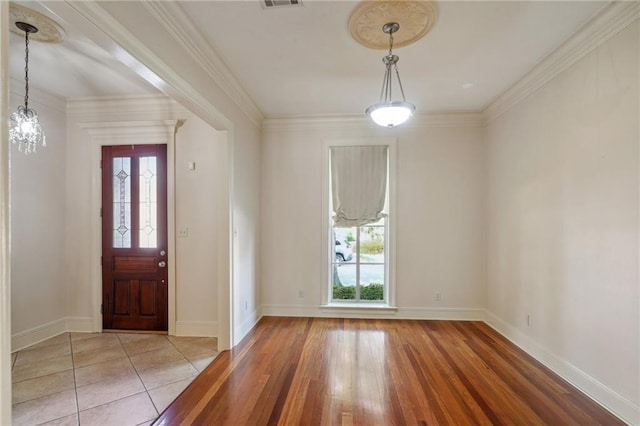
x=438, y=296
x=183, y=232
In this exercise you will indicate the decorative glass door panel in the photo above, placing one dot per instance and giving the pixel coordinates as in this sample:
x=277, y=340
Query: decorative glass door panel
x=148, y=225
x=121, y=202
x=134, y=237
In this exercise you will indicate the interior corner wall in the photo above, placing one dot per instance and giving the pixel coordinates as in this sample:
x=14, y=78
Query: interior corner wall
x=563, y=212
x=440, y=216
x=38, y=185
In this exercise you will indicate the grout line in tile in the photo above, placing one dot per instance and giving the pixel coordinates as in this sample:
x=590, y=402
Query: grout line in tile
x=185, y=357
x=143, y=352
x=189, y=361
x=154, y=405
x=192, y=377
x=43, y=375
x=98, y=362
x=52, y=420
x=75, y=384
x=15, y=360
x=140, y=378
x=147, y=391
x=111, y=402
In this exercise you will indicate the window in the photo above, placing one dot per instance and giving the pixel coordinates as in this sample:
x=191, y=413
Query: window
x=359, y=270
x=359, y=263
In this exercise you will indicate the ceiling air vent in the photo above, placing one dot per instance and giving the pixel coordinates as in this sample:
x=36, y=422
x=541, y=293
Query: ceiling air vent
x=281, y=3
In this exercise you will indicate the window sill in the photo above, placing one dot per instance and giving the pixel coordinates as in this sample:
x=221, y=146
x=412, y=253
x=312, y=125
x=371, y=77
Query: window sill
x=369, y=308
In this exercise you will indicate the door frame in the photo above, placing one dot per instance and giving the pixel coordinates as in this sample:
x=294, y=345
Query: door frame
x=131, y=133
x=118, y=266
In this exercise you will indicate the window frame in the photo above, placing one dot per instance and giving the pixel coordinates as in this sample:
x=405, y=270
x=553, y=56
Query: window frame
x=390, y=228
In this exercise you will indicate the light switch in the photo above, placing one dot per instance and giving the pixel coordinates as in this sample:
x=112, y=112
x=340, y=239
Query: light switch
x=192, y=165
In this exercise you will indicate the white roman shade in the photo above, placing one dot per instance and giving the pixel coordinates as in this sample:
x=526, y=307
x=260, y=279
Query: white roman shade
x=358, y=184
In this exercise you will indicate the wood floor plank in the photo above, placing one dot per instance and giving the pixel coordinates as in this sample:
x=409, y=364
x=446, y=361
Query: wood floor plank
x=528, y=386
x=315, y=371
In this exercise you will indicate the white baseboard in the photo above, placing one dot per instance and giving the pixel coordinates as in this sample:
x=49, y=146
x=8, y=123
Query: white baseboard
x=459, y=314
x=197, y=328
x=617, y=404
x=37, y=334
x=246, y=326
x=51, y=329
x=451, y=314
x=46, y=331
x=80, y=325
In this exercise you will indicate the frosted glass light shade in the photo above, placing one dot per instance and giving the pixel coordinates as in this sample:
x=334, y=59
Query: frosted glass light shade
x=390, y=114
x=25, y=130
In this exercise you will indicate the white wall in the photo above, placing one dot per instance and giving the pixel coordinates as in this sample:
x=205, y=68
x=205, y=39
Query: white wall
x=246, y=230
x=563, y=222
x=197, y=199
x=38, y=219
x=440, y=215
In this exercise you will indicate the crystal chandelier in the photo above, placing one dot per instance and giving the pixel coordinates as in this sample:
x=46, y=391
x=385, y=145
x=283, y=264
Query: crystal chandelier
x=385, y=112
x=25, y=129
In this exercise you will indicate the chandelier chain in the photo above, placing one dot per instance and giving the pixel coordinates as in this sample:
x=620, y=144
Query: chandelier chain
x=26, y=70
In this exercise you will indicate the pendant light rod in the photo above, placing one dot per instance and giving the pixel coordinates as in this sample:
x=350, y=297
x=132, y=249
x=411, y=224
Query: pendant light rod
x=390, y=28
x=386, y=112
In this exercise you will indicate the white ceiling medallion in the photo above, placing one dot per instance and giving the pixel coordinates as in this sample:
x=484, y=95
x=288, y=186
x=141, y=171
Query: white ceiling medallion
x=48, y=30
x=416, y=18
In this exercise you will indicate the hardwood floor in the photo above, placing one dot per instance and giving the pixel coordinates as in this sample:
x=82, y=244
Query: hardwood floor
x=292, y=371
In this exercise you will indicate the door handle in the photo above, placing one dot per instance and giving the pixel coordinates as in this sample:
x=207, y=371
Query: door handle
x=162, y=264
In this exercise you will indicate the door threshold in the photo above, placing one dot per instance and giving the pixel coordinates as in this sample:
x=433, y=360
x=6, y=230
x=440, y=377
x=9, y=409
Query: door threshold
x=116, y=330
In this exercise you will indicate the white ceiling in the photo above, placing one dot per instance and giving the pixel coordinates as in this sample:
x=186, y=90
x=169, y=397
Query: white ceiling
x=74, y=68
x=300, y=61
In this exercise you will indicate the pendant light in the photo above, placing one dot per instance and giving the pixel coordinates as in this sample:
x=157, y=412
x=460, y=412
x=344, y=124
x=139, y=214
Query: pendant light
x=387, y=112
x=25, y=130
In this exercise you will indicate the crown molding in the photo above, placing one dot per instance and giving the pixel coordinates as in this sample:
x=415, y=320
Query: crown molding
x=134, y=53
x=112, y=106
x=314, y=122
x=606, y=23
x=173, y=18
x=451, y=119
x=123, y=132
x=360, y=121
x=37, y=97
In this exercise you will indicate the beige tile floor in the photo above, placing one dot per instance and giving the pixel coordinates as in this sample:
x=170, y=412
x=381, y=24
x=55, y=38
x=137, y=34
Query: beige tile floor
x=104, y=379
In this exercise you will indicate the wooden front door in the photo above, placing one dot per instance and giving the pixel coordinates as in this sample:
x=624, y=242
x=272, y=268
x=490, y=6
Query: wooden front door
x=134, y=237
